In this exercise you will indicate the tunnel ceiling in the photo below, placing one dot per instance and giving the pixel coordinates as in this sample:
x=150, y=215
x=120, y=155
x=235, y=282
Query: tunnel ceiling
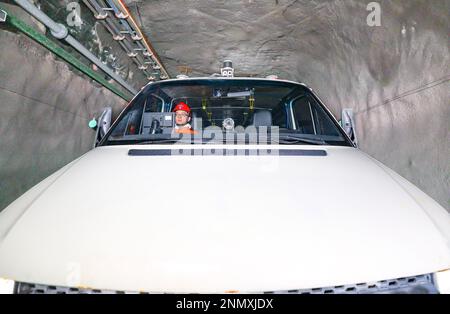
x=290, y=38
x=260, y=37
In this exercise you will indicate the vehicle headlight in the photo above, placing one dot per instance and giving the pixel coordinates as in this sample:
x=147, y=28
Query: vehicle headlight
x=443, y=281
x=6, y=286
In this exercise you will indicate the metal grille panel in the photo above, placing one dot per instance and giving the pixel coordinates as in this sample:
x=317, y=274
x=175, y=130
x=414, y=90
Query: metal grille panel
x=421, y=284
x=416, y=284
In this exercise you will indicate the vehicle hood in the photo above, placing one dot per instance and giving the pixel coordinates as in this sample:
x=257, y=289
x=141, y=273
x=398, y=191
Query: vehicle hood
x=176, y=223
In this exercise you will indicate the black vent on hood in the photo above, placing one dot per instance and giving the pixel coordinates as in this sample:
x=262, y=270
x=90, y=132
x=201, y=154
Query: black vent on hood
x=227, y=152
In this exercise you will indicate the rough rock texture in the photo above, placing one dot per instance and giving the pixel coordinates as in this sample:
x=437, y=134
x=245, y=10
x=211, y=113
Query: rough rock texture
x=395, y=76
x=44, y=112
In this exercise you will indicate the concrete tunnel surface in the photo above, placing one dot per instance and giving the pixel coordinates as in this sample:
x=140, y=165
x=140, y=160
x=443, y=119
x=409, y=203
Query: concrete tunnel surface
x=394, y=76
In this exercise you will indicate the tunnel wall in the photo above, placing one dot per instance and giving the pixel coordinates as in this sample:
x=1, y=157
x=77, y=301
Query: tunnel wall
x=45, y=108
x=395, y=76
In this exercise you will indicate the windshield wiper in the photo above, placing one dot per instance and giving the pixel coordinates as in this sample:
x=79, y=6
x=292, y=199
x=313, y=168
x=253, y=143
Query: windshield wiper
x=287, y=139
x=166, y=140
x=292, y=139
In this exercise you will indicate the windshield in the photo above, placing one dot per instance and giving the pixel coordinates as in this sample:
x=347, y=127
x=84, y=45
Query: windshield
x=229, y=111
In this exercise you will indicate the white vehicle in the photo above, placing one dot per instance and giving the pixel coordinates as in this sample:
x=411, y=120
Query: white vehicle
x=267, y=194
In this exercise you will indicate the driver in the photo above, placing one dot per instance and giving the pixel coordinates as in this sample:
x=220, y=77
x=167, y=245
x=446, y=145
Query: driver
x=182, y=118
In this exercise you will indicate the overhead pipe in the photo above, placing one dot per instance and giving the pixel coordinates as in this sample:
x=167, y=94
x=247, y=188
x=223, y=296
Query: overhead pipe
x=59, y=31
x=121, y=6
x=113, y=29
x=137, y=59
x=97, y=7
x=142, y=65
x=98, y=11
x=110, y=25
x=133, y=53
x=63, y=54
x=126, y=46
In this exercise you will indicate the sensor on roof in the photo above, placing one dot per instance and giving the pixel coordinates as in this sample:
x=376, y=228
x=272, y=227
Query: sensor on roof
x=227, y=70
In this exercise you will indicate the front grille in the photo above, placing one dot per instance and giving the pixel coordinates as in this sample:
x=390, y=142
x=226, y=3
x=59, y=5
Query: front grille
x=421, y=284
x=29, y=288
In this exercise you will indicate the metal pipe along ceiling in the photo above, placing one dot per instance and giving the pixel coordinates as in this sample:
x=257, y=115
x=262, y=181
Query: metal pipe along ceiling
x=60, y=32
x=115, y=16
x=150, y=49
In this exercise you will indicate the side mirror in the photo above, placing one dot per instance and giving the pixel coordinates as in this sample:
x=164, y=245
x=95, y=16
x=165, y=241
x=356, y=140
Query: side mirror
x=101, y=125
x=348, y=124
x=3, y=16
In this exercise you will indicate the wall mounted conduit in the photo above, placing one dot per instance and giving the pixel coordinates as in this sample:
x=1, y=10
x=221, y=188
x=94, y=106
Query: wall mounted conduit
x=60, y=52
x=60, y=31
x=116, y=18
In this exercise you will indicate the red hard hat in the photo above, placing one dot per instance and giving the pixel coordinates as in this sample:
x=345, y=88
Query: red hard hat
x=182, y=106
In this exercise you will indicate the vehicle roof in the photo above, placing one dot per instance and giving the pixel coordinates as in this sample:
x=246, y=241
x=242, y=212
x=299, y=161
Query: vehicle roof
x=209, y=78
